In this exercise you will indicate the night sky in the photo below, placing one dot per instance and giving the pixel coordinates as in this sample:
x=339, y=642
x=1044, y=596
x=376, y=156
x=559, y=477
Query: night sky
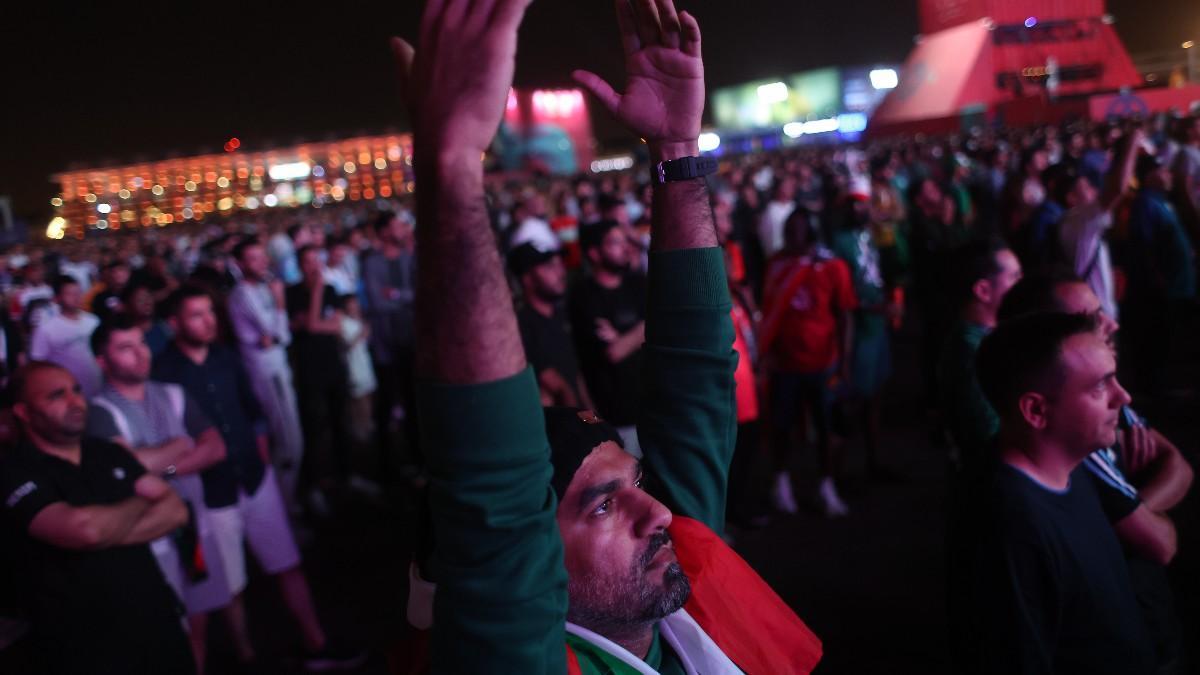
x=99, y=85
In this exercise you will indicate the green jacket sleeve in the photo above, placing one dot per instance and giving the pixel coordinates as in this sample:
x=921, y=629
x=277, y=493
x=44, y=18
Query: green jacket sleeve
x=688, y=424
x=972, y=421
x=502, y=587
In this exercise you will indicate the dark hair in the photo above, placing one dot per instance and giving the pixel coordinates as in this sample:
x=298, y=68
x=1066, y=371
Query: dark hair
x=240, y=248
x=1035, y=293
x=971, y=262
x=303, y=251
x=1022, y=355
x=591, y=236
x=383, y=220
x=62, y=281
x=174, y=302
x=18, y=381
x=608, y=202
x=343, y=301
x=103, y=333
x=114, y=264
x=131, y=288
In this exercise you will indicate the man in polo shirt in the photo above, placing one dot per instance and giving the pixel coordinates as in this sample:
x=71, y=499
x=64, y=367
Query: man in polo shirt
x=534, y=530
x=84, y=512
x=170, y=435
x=241, y=493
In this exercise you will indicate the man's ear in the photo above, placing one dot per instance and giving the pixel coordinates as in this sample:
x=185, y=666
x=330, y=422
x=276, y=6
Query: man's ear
x=1034, y=409
x=982, y=291
x=21, y=412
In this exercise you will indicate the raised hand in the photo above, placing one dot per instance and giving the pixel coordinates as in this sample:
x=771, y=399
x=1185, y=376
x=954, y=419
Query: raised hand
x=456, y=85
x=663, y=100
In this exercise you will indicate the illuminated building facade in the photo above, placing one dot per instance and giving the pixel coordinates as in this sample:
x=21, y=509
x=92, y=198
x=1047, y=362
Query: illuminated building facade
x=189, y=189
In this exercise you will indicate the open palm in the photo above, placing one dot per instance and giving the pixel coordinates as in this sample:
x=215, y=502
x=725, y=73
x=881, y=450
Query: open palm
x=663, y=100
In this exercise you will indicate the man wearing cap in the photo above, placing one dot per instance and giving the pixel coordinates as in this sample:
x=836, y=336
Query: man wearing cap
x=608, y=311
x=543, y=323
x=542, y=518
x=871, y=358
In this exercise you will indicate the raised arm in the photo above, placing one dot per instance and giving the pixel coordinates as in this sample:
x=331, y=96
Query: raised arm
x=1122, y=170
x=688, y=427
x=501, y=598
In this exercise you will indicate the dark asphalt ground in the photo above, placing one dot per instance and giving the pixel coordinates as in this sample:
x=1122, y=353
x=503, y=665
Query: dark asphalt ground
x=870, y=585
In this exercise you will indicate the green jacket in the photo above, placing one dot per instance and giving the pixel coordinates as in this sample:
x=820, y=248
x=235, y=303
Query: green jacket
x=502, y=588
x=971, y=420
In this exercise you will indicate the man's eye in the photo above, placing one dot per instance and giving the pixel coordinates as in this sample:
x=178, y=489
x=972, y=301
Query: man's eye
x=603, y=508
x=638, y=483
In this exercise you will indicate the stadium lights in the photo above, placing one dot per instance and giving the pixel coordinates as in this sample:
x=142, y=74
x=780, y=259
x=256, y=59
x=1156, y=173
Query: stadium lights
x=619, y=163
x=884, y=78
x=1189, y=44
x=708, y=142
x=57, y=229
x=798, y=129
x=289, y=171
x=776, y=92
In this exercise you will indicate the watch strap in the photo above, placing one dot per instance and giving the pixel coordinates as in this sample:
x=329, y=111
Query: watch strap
x=684, y=168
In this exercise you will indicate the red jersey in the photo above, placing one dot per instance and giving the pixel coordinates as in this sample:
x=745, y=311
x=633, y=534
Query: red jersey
x=747, y=395
x=803, y=297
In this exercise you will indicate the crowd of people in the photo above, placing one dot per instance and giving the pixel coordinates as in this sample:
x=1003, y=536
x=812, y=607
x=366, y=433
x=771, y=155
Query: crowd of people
x=178, y=396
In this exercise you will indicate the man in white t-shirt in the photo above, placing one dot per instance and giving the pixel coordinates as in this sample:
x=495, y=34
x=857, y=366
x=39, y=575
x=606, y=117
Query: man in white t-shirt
x=532, y=226
x=1089, y=216
x=64, y=337
x=770, y=223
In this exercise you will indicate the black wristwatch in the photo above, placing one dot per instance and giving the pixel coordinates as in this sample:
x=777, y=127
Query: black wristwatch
x=684, y=168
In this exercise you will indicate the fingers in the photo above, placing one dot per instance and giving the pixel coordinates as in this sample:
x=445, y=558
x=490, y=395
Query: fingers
x=455, y=14
x=668, y=23
x=627, y=22
x=404, y=54
x=509, y=13
x=690, y=43
x=645, y=14
x=431, y=21
x=600, y=89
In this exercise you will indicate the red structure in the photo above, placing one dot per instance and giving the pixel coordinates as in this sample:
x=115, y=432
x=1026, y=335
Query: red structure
x=977, y=57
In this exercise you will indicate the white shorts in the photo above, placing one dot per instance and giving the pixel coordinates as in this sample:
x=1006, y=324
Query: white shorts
x=259, y=521
x=211, y=593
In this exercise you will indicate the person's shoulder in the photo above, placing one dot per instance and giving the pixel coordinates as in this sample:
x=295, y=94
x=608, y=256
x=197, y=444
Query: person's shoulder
x=104, y=449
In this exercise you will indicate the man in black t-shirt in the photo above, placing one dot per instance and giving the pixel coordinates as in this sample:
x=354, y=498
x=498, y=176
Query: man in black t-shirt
x=608, y=310
x=544, y=329
x=81, y=513
x=1049, y=588
x=321, y=385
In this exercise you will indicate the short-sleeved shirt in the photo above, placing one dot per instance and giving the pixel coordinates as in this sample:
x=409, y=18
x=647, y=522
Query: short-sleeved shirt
x=615, y=387
x=314, y=348
x=858, y=250
x=548, y=345
x=148, y=422
x=803, y=327
x=219, y=389
x=101, y=604
x=1163, y=251
x=1051, y=591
